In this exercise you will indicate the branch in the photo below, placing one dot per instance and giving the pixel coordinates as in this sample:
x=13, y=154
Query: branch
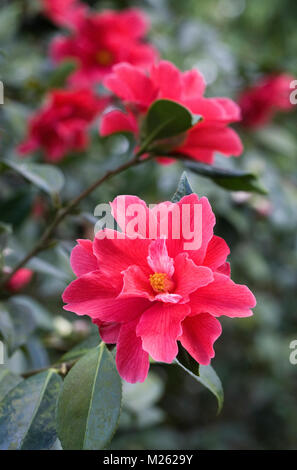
x=61, y=369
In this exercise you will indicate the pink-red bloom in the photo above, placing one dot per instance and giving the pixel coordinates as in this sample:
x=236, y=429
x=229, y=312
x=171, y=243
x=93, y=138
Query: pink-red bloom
x=101, y=40
x=148, y=294
x=260, y=102
x=64, y=12
x=139, y=90
x=61, y=125
x=19, y=280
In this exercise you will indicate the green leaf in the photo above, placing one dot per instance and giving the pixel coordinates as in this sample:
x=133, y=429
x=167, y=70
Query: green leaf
x=60, y=74
x=183, y=188
x=205, y=375
x=16, y=325
x=82, y=348
x=234, y=180
x=166, y=118
x=42, y=317
x=5, y=231
x=209, y=378
x=278, y=139
x=47, y=177
x=27, y=413
x=187, y=361
x=88, y=418
x=41, y=266
x=8, y=381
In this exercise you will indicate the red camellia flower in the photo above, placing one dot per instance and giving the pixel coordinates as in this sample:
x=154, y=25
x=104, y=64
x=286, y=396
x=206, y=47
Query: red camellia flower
x=139, y=90
x=20, y=279
x=61, y=125
x=101, y=40
x=149, y=292
x=64, y=12
x=260, y=102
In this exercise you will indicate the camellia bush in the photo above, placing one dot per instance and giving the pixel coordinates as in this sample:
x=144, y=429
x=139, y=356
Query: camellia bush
x=145, y=158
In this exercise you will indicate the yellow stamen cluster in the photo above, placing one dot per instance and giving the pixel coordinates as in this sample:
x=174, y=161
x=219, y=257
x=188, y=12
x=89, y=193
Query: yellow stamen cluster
x=104, y=57
x=160, y=282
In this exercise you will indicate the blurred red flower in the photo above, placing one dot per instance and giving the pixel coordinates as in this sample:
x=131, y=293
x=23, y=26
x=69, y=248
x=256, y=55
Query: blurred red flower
x=101, y=40
x=139, y=90
x=19, y=280
x=259, y=103
x=61, y=125
x=64, y=12
x=146, y=294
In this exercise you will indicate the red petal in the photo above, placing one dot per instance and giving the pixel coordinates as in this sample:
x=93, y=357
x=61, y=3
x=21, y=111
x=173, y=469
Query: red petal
x=131, y=360
x=199, y=334
x=223, y=297
x=159, y=328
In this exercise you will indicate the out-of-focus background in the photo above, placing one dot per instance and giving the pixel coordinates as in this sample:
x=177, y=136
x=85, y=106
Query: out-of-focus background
x=233, y=43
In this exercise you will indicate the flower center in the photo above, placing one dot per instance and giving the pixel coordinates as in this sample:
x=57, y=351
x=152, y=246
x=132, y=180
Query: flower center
x=160, y=282
x=104, y=57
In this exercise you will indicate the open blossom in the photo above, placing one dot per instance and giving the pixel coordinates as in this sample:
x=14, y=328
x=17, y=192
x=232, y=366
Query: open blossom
x=147, y=294
x=101, y=40
x=61, y=125
x=19, y=280
x=139, y=90
x=64, y=12
x=260, y=102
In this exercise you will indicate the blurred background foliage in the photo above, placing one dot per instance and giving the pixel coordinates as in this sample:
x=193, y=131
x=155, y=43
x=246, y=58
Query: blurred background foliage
x=233, y=43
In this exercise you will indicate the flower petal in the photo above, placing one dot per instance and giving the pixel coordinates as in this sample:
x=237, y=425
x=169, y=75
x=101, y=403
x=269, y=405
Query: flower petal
x=159, y=328
x=82, y=259
x=188, y=276
x=163, y=74
x=136, y=284
x=158, y=258
x=133, y=216
x=193, y=84
x=131, y=360
x=217, y=253
x=196, y=221
x=117, y=121
x=131, y=84
x=214, y=138
x=115, y=254
x=199, y=334
x=223, y=297
x=109, y=332
x=92, y=295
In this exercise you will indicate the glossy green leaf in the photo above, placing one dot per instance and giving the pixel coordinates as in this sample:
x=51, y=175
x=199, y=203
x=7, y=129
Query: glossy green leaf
x=166, y=118
x=88, y=418
x=209, y=378
x=234, y=180
x=41, y=266
x=8, y=381
x=82, y=348
x=47, y=177
x=27, y=413
x=60, y=74
x=42, y=317
x=205, y=375
x=183, y=188
x=5, y=231
x=16, y=325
